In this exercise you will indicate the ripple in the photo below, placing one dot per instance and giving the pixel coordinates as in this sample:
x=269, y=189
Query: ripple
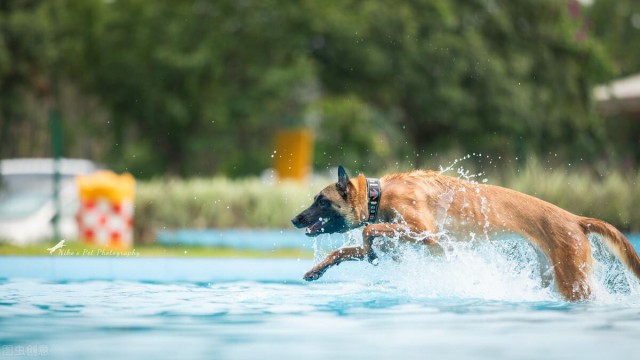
x=394, y=310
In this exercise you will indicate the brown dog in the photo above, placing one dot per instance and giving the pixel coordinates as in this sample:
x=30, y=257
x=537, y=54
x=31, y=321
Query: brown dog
x=415, y=206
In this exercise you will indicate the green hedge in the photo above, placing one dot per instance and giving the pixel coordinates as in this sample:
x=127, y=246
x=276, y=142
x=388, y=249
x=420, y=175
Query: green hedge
x=613, y=197
x=249, y=203
x=217, y=203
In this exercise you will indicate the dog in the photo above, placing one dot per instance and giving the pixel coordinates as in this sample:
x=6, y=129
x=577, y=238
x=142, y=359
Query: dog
x=416, y=206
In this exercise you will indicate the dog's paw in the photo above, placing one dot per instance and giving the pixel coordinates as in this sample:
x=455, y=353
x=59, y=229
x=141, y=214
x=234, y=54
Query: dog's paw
x=373, y=258
x=313, y=275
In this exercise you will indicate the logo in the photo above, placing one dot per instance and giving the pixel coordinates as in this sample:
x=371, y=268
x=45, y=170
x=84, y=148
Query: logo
x=57, y=246
x=373, y=193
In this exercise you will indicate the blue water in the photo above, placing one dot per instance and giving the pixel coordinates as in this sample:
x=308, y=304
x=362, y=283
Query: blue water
x=266, y=239
x=478, y=302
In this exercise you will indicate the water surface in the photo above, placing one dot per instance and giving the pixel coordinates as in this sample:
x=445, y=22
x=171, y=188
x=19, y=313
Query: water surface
x=480, y=302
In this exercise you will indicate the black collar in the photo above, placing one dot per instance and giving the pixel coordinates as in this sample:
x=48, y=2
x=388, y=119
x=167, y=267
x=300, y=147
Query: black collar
x=374, y=192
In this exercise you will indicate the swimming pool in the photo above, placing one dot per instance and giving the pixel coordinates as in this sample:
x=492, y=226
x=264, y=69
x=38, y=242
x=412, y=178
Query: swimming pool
x=480, y=302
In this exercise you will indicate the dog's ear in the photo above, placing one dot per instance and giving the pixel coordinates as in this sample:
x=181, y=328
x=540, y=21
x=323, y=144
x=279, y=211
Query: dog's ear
x=343, y=181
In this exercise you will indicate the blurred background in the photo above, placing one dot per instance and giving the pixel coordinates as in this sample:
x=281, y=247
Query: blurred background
x=231, y=114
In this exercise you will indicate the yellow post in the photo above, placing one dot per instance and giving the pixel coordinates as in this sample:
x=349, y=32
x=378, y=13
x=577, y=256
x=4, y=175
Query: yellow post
x=293, y=156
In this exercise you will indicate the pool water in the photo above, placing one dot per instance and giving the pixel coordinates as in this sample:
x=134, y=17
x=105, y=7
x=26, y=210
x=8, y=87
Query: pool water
x=476, y=301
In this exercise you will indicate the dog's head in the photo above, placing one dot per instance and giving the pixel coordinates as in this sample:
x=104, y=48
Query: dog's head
x=333, y=210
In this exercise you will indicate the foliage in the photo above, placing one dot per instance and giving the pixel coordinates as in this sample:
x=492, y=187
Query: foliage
x=617, y=24
x=217, y=203
x=25, y=57
x=356, y=135
x=189, y=81
x=612, y=196
x=196, y=88
x=495, y=76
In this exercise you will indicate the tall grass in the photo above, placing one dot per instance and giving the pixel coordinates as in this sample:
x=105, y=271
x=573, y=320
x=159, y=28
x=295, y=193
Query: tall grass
x=218, y=203
x=249, y=203
x=613, y=197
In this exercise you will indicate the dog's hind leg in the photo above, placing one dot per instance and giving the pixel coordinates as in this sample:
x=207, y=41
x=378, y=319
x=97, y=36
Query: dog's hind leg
x=571, y=267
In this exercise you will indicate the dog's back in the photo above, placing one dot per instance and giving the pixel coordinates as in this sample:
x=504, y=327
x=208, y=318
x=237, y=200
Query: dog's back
x=461, y=206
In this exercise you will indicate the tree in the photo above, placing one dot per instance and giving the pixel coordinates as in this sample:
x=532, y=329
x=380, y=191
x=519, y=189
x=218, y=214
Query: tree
x=25, y=55
x=194, y=87
x=478, y=75
x=616, y=23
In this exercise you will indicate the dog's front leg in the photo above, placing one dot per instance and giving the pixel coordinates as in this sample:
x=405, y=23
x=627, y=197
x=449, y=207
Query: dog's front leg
x=356, y=253
x=359, y=253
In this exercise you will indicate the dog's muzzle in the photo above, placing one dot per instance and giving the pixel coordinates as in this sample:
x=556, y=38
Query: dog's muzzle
x=314, y=228
x=299, y=221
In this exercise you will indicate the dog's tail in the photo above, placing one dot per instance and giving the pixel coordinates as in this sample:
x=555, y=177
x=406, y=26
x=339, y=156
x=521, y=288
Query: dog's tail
x=615, y=241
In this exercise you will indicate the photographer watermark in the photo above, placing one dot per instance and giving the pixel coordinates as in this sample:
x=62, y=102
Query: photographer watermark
x=61, y=250
x=31, y=350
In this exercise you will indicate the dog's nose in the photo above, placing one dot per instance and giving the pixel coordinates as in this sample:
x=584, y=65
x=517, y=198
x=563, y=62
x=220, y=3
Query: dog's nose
x=296, y=221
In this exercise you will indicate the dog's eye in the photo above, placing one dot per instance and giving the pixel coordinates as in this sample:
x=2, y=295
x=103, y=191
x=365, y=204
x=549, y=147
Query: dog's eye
x=324, y=202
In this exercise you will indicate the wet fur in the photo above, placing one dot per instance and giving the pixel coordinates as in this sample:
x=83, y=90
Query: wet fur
x=414, y=204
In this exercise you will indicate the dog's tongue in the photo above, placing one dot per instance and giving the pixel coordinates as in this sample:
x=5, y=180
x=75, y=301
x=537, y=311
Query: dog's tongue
x=314, y=228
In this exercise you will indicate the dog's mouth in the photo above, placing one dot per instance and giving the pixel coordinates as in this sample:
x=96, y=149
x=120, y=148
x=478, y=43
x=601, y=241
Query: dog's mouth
x=317, y=227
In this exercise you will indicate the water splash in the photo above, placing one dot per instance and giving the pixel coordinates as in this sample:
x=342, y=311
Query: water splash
x=498, y=269
x=504, y=270
x=463, y=173
x=611, y=281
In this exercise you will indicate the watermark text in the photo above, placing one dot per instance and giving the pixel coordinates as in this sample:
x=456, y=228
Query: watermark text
x=30, y=350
